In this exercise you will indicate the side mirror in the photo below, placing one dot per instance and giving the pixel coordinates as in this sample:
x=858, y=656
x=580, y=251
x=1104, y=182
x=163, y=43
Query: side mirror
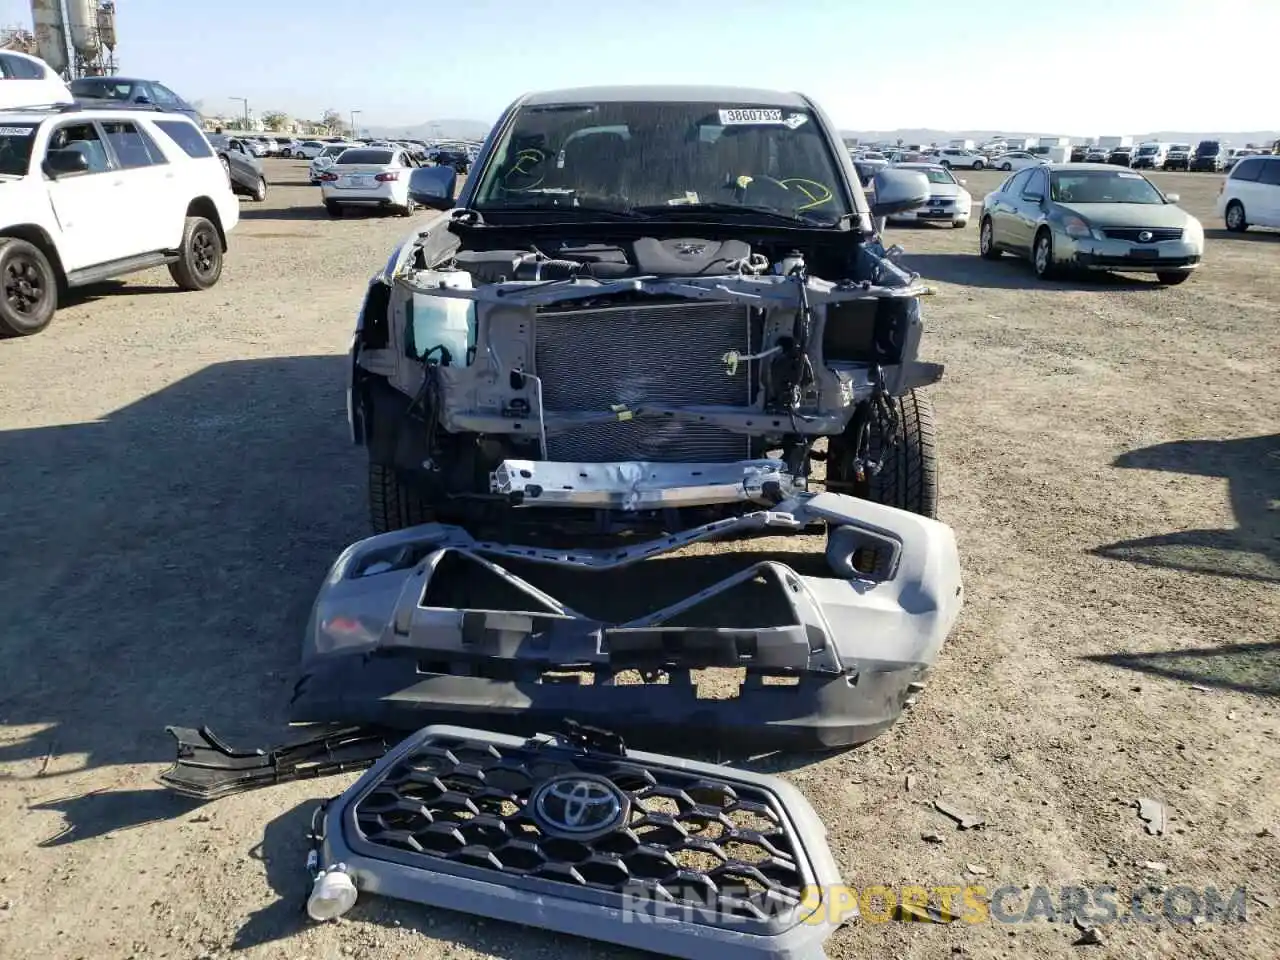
x=433, y=187
x=59, y=163
x=897, y=191
x=1172, y=197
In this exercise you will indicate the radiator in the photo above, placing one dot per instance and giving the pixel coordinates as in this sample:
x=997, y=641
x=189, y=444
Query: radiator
x=596, y=359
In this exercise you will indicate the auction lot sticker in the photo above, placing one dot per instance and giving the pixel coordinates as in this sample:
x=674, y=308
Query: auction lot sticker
x=19, y=131
x=743, y=115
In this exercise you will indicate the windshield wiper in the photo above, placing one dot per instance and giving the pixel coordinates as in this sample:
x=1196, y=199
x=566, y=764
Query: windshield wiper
x=714, y=206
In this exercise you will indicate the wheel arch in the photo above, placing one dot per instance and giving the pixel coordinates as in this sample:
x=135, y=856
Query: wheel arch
x=38, y=237
x=205, y=207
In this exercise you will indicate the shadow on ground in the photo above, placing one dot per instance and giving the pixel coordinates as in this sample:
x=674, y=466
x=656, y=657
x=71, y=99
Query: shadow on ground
x=1245, y=667
x=158, y=565
x=1011, y=273
x=1250, y=551
x=109, y=288
x=283, y=852
x=89, y=815
x=317, y=212
x=1259, y=236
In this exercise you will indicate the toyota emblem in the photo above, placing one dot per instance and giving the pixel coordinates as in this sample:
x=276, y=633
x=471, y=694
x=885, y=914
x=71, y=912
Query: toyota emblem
x=1145, y=236
x=579, y=806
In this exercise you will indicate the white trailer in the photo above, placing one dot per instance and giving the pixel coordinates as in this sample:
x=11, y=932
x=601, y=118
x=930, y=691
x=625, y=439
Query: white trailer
x=960, y=144
x=1054, y=142
x=1110, y=143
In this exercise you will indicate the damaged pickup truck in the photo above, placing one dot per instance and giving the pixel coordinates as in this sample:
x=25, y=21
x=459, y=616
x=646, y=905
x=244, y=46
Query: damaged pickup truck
x=646, y=319
x=649, y=312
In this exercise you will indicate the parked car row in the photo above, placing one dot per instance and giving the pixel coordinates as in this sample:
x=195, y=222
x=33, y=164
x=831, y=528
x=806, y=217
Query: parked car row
x=1212, y=156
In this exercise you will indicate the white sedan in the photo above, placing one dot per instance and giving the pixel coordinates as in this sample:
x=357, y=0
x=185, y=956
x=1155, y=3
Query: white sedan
x=1017, y=160
x=949, y=202
x=368, y=177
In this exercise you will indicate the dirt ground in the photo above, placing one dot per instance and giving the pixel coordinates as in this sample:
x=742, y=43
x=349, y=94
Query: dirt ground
x=177, y=479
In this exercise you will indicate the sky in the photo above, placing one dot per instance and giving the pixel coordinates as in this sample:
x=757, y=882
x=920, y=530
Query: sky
x=1079, y=67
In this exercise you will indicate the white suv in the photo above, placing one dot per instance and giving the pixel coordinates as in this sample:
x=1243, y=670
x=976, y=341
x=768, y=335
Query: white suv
x=1250, y=196
x=96, y=193
x=966, y=159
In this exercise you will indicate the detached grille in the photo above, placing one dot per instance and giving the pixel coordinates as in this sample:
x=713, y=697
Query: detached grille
x=709, y=844
x=1132, y=234
x=593, y=360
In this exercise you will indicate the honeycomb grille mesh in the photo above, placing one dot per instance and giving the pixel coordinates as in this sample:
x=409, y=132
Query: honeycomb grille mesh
x=671, y=353
x=704, y=843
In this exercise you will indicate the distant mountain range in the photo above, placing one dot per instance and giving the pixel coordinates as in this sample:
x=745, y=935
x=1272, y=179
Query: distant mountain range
x=433, y=130
x=978, y=136
x=477, y=129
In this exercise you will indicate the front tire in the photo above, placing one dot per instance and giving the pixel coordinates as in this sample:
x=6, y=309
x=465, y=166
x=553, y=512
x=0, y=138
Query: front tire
x=908, y=477
x=260, y=191
x=987, y=241
x=28, y=288
x=1235, y=218
x=1006, y=167
x=978, y=165
x=199, y=263
x=1042, y=255
x=1173, y=279
x=394, y=504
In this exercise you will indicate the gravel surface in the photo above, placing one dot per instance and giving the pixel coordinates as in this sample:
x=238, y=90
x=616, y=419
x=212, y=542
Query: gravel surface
x=177, y=479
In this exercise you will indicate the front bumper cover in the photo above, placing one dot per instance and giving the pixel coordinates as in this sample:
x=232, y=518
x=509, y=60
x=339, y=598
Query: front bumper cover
x=829, y=660
x=701, y=861
x=1093, y=254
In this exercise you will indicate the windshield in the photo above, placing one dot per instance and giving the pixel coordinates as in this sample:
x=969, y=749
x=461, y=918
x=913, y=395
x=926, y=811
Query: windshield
x=937, y=176
x=1102, y=186
x=1184, y=147
x=626, y=156
x=1147, y=151
x=15, y=148
x=1207, y=148
x=107, y=88
x=357, y=155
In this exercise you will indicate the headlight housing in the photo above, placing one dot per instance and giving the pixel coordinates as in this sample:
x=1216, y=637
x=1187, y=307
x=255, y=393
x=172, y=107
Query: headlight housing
x=1193, y=232
x=1076, y=228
